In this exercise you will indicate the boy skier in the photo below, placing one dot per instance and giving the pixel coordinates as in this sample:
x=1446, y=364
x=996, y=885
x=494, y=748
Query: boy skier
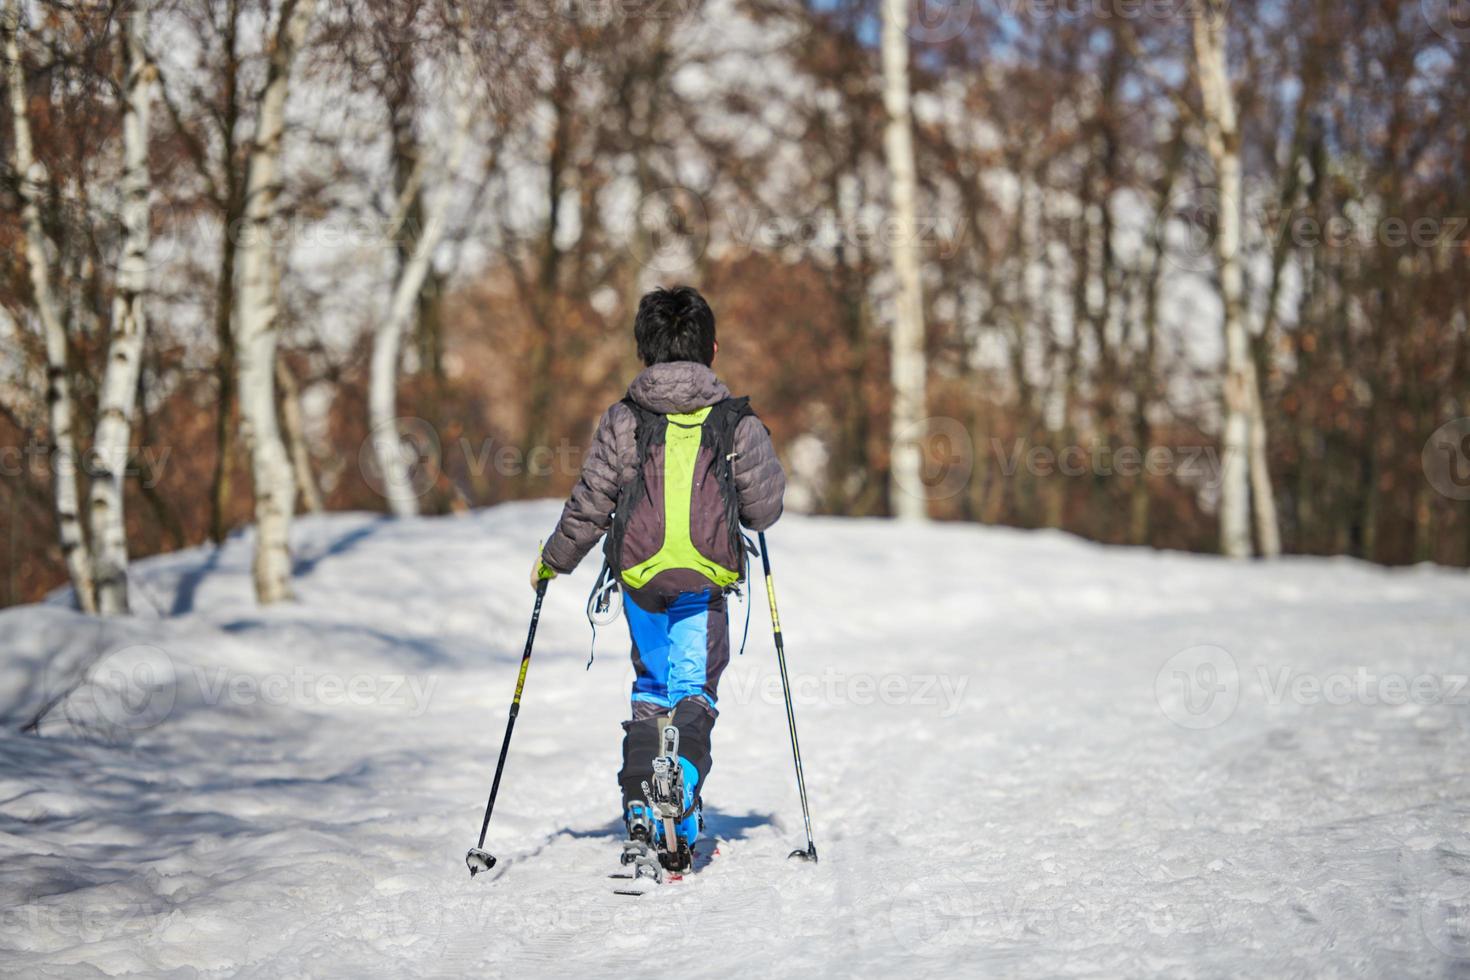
x=673, y=471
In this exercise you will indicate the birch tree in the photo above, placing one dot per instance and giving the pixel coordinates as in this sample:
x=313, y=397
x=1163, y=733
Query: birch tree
x=1243, y=462
x=414, y=271
x=258, y=313
x=908, y=358
x=129, y=327
x=65, y=461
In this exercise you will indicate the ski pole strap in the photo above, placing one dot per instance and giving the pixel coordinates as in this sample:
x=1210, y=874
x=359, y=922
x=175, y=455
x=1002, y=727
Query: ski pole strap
x=747, y=548
x=599, y=603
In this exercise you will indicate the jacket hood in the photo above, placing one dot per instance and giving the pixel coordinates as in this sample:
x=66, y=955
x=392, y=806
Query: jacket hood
x=677, y=386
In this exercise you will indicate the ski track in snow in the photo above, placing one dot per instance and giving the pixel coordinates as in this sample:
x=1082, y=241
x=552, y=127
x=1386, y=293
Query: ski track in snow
x=1025, y=756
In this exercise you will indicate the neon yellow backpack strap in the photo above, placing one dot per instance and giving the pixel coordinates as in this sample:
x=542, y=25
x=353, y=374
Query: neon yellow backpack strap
x=681, y=454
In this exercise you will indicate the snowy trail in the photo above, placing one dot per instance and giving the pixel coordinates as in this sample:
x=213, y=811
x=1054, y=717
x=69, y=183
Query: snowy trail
x=1027, y=756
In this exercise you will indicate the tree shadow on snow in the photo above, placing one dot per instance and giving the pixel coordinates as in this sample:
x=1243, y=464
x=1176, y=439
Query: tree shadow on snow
x=188, y=586
x=306, y=565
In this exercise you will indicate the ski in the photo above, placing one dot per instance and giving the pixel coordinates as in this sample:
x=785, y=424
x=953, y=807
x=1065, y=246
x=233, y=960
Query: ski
x=644, y=867
x=642, y=863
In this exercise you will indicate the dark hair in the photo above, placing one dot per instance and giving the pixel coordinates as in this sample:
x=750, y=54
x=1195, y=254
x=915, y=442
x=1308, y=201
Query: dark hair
x=675, y=325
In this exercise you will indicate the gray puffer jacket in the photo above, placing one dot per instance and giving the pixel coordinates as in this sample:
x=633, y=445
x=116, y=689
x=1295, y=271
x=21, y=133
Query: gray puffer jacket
x=612, y=460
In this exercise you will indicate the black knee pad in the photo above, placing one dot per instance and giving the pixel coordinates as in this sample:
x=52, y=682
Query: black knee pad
x=696, y=720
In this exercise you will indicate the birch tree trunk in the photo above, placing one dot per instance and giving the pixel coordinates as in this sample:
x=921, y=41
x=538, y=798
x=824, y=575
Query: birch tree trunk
x=388, y=337
x=1268, y=525
x=65, y=462
x=906, y=486
x=129, y=327
x=295, y=426
x=1222, y=137
x=257, y=314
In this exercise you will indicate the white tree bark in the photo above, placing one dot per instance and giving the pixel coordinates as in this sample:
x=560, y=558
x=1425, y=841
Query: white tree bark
x=65, y=463
x=129, y=327
x=1222, y=138
x=295, y=426
x=257, y=312
x=908, y=373
x=388, y=337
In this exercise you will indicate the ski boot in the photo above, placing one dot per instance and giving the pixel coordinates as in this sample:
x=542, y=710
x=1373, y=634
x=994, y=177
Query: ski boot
x=671, y=802
x=639, y=848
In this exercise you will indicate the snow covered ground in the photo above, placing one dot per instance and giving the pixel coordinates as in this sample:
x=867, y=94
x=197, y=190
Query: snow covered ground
x=1027, y=756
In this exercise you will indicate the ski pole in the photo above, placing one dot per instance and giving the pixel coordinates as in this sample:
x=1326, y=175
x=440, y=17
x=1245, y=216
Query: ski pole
x=810, y=854
x=478, y=859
